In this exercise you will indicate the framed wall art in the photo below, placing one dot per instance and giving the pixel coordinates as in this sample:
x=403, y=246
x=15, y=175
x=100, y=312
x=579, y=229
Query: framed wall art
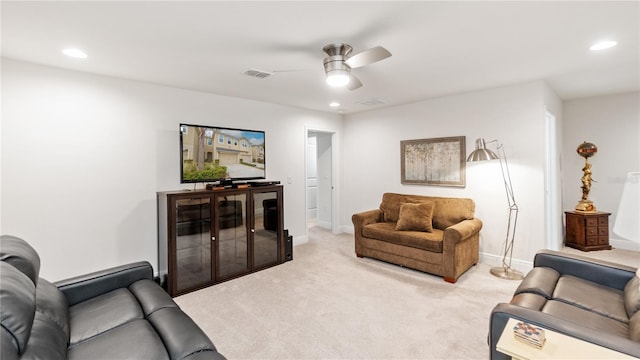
x=437, y=161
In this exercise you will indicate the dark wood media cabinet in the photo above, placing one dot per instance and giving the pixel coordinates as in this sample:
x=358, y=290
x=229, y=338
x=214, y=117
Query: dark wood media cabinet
x=209, y=236
x=587, y=231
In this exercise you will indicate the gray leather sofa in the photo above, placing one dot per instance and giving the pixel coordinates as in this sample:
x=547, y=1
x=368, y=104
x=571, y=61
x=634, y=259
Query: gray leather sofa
x=119, y=313
x=594, y=301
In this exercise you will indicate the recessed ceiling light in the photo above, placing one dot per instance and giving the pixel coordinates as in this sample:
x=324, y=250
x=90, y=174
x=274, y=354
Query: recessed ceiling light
x=603, y=45
x=334, y=104
x=75, y=53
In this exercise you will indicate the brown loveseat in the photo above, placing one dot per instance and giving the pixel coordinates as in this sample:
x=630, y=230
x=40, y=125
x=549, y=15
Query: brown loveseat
x=438, y=235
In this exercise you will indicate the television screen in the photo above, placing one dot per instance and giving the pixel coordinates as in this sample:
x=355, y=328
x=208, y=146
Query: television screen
x=209, y=154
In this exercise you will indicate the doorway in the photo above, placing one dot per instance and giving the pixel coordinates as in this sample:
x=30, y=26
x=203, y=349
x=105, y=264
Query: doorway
x=553, y=185
x=319, y=179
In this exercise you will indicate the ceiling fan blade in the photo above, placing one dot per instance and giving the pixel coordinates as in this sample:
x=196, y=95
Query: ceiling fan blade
x=367, y=57
x=354, y=83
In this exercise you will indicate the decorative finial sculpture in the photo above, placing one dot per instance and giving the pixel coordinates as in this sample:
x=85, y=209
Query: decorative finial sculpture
x=586, y=150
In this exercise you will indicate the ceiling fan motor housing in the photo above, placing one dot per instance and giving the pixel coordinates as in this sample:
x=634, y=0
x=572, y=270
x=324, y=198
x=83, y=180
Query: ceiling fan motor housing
x=336, y=60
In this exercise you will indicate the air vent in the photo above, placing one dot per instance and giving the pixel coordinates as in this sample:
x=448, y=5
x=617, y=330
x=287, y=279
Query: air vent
x=258, y=73
x=371, y=102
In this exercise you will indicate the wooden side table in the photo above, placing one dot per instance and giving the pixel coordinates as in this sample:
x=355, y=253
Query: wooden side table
x=587, y=231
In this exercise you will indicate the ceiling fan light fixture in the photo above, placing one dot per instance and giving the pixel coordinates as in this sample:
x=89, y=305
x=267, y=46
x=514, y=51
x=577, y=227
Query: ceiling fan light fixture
x=338, y=78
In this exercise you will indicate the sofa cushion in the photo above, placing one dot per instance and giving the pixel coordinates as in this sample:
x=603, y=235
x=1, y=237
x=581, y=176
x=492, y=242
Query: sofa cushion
x=47, y=340
x=451, y=211
x=50, y=332
x=541, y=281
x=632, y=295
x=415, y=217
x=134, y=340
x=591, y=296
x=17, y=305
x=151, y=296
x=447, y=211
x=21, y=255
x=529, y=301
x=588, y=319
x=179, y=333
x=386, y=231
x=390, y=206
x=102, y=313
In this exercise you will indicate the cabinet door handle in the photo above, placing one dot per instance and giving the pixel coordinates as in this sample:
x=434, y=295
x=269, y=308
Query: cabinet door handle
x=253, y=230
x=213, y=238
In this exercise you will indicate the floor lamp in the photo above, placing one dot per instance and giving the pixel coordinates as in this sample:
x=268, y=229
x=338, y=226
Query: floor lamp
x=481, y=153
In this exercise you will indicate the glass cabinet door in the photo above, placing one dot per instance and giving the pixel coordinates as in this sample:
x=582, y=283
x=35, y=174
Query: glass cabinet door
x=193, y=243
x=266, y=226
x=231, y=217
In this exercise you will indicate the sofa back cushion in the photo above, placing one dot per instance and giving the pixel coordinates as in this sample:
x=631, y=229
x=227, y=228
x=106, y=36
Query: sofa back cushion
x=446, y=212
x=20, y=255
x=18, y=299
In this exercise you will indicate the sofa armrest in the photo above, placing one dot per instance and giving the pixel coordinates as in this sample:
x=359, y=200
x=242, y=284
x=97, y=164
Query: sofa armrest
x=502, y=312
x=599, y=271
x=360, y=220
x=367, y=217
x=83, y=287
x=462, y=230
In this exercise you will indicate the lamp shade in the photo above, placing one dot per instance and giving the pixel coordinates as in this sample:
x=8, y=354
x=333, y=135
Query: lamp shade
x=481, y=152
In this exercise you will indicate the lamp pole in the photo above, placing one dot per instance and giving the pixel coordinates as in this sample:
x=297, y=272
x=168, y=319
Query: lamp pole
x=482, y=153
x=506, y=271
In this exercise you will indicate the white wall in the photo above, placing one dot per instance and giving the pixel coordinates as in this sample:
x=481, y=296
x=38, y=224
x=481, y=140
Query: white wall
x=612, y=123
x=513, y=114
x=83, y=157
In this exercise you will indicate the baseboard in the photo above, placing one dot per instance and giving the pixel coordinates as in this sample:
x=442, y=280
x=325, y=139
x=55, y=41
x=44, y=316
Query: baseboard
x=624, y=244
x=324, y=224
x=347, y=229
x=496, y=260
x=299, y=240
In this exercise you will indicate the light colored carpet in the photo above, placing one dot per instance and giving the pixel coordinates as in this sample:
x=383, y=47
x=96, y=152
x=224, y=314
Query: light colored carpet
x=329, y=304
x=619, y=256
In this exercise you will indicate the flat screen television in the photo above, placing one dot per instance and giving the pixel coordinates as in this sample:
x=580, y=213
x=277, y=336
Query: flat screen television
x=210, y=154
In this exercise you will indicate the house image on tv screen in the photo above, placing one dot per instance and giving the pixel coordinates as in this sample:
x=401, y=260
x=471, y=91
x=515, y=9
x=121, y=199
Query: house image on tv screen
x=210, y=154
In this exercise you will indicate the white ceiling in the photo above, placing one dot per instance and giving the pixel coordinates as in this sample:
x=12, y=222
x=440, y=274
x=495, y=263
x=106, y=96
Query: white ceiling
x=438, y=48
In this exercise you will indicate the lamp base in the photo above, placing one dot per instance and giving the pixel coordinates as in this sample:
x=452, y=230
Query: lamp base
x=586, y=206
x=506, y=273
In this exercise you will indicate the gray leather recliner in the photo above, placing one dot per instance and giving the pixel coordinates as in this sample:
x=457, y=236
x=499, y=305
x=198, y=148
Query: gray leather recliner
x=118, y=313
x=587, y=299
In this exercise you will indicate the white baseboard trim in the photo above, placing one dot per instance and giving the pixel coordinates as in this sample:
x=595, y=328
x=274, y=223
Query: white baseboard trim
x=299, y=240
x=347, y=229
x=324, y=224
x=496, y=260
x=624, y=244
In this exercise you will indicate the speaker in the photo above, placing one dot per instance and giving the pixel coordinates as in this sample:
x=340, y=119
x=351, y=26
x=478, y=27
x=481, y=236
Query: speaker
x=288, y=246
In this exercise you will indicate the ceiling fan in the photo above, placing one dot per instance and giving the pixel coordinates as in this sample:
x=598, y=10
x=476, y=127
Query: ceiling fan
x=338, y=65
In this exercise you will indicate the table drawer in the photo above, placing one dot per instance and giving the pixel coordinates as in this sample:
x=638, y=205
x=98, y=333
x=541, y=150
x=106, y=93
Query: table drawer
x=592, y=240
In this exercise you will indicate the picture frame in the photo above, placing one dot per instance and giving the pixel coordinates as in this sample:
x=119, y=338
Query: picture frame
x=435, y=161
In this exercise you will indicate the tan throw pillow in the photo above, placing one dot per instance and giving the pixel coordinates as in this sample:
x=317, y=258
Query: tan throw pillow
x=415, y=217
